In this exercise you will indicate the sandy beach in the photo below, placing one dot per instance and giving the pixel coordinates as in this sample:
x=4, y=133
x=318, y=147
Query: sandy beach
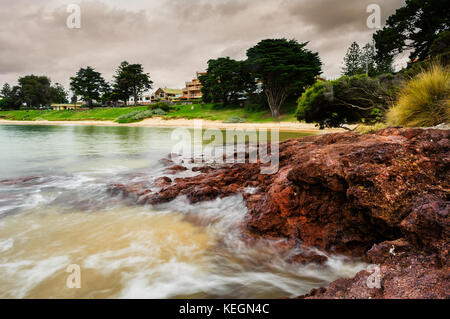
x=159, y=122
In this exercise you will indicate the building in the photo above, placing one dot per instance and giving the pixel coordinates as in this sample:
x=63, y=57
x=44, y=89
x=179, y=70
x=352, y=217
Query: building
x=165, y=94
x=64, y=107
x=193, y=89
x=144, y=99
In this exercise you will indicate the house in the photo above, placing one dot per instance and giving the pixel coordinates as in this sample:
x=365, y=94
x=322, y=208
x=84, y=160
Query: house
x=165, y=94
x=193, y=89
x=144, y=99
x=64, y=107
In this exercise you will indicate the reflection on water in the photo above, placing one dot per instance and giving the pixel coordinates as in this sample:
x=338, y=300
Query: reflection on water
x=175, y=250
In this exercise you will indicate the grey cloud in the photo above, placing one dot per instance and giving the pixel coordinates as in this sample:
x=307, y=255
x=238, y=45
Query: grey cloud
x=172, y=38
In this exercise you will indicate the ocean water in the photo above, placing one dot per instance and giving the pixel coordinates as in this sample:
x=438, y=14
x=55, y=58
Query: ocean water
x=62, y=215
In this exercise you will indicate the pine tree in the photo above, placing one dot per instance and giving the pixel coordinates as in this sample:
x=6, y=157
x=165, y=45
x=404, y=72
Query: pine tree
x=352, y=60
x=368, y=60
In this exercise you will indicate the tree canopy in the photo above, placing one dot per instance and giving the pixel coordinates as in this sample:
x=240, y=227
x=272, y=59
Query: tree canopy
x=130, y=80
x=35, y=90
x=413, y=27
x=347, y=100
x=12, y=98
x=363, y=61
x=58, y=94
x=89, y=84
x=283, y=67
x=226, y=81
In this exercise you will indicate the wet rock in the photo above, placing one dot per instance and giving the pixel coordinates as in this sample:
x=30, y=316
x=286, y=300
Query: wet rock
x=357, y=195
x=175, y=169
x=163, y=181
x=23, y=181
x=309, y=259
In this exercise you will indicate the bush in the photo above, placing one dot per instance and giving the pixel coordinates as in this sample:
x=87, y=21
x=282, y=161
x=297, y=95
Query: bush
x=235, y=119
x=424, y=100
x=137, y=116
x=160, y=105
x=352, y=99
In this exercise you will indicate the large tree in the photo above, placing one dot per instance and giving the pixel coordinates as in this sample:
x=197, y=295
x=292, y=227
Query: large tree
x=89, y=84
x=284, y=67
x=413, y=28
x=35, y=90
x=11, y=97
x=226, y=80
x=131, y=80
x=58, y=94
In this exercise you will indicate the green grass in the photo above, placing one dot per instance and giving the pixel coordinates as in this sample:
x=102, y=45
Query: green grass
x=199, y=111
x=99, y=114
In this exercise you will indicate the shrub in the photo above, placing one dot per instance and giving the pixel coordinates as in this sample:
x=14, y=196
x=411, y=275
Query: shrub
x=424, y=100
x=235, y=119
x=137, y=116
x=352, y=99
x=160, y=112
x=160, y=105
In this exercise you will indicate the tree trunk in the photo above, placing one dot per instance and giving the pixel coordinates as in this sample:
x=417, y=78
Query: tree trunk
x=275, y=98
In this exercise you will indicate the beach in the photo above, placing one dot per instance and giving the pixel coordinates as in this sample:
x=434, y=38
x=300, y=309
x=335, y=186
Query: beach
x=207, y=124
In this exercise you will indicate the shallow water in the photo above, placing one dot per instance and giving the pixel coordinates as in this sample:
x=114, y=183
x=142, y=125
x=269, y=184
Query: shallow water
x=64, y=216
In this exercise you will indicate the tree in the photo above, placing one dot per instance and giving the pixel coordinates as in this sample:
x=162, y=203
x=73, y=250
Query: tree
x=363, y=61
x=35, y=90
x=440, y=49
x=413, y=27
x=130, y=80
x=352, y=60
x=89, y=84
x=284, y=67
x=347, y=100
x=11, y=97
x=58, y=94
x=226, y=80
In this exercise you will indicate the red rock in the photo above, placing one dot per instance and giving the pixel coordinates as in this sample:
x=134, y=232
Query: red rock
x=175, y=169
x=352, y=194
x=162, y=181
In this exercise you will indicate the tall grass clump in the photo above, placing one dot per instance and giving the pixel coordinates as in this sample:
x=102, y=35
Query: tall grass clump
x=424, y=100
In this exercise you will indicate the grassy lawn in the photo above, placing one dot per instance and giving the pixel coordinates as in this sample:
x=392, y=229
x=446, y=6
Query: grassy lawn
x=206, y=112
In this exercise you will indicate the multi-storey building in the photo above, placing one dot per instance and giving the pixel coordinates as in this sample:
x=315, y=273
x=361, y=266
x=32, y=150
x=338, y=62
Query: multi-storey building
x=193, y=89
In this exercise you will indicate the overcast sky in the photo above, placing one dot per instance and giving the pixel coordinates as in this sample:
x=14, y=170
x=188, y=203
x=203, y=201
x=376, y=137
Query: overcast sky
x=172, y=38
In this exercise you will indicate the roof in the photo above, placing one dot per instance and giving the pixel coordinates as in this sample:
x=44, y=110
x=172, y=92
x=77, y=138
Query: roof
x=170, y=91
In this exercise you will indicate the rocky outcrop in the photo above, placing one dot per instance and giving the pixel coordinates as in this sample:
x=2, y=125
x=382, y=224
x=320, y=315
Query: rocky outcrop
x=382, y=196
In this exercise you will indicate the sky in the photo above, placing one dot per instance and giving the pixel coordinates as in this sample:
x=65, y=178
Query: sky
x=172, y=39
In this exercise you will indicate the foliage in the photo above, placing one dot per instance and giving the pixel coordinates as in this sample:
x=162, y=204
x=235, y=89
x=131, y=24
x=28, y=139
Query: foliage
x=413, y=27
x=283, y=67
x=88, y=84
x=363, y=61
x=137, y=116
x=11, y=97
x=441, y=45
x=347, y=100
x=424, y=100
x=35, y=91
x=130, y=80
x=58, y=94
x=226, y=81
x=352, y=61
x=160, y=105
x=235, y=119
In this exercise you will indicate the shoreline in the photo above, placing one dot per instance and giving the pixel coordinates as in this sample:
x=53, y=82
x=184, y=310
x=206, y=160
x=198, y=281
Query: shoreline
x=174, y=123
